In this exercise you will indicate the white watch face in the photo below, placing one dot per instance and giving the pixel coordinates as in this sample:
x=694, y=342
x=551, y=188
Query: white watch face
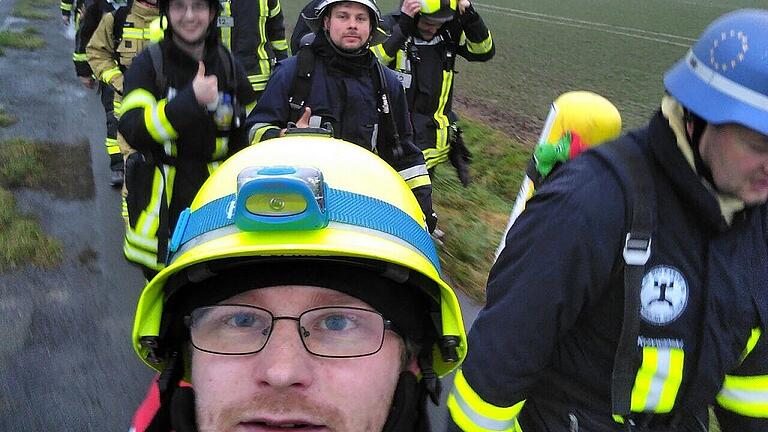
x=663, y=296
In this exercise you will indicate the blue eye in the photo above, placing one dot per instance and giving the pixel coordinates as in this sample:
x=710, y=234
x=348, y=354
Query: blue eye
x=336, y=323
x=243, y=319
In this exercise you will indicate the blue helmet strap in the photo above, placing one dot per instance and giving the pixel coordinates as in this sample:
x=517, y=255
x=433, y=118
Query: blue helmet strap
x=341, y=207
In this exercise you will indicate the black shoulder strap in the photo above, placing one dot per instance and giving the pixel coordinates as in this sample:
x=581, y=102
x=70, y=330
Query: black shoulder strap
x=121, y=15
x=630, y=165
x=161, y=81
x=385, y=108
x=302, y=83
x=228, y=60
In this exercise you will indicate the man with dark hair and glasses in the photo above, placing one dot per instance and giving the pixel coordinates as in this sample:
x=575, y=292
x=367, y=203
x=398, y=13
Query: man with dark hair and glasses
x=302, y=292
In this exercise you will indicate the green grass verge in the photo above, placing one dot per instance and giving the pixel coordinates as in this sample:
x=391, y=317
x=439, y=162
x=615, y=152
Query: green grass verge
x=21, y=163
x=473, y=218
x=26, y=39
x=5, y=118
x=33, y=9
x=22, y=242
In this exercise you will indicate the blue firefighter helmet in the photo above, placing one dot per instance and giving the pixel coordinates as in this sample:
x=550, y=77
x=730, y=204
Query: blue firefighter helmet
x=724, y=76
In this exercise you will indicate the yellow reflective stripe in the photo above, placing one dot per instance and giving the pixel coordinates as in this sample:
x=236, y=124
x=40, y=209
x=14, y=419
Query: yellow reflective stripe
x=170, y=179
x=149, y=219
x=213, y=166
x=260, y=133
x=382, y=55
x=108, y=74
x=66, y=6
x=222, y=148
x=280, y=44
x=79, y=57
x=441, y=150
x=141, y=257
x=657, y=380
x=137, y=33
x=117, y=106
x=258, y=79
x=138, y=98
x=418, y=181
x=226, y=32
x=481, y=47
x=157, y=123
x=745, y=395
x=751, y=343
x=471, y=413
x=138, y=241
x=112, y=147
x=261, y=52
x=274, y=11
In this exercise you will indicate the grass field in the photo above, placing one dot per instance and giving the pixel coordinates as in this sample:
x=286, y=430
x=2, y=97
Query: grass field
x=619, y=49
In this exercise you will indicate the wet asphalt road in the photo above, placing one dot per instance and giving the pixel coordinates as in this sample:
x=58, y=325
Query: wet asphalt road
x=66, y=361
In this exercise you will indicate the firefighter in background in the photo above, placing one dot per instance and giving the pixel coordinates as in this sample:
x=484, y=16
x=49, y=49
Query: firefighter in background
x=631, y=293
x=577, y=120
x=183, y=113
x=426, y=38
x=336, y=82
x=87, y=24
x=254, y=31
x=120, y=36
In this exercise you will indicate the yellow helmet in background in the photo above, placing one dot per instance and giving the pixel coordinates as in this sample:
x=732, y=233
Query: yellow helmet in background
x=576, y=121
x=594, y=118
x=303, y=197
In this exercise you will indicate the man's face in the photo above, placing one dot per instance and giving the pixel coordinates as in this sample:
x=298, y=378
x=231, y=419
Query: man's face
x=349, y=25
x=428, y=28
x=190, y=19
x=738, y=158
x=284, y=385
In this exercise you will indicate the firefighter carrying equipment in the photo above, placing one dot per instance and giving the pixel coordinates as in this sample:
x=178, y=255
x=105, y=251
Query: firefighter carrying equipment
x=377, y=34
x=721, y=79
x=255, y=33
x=426, y=69
x=179, y=142
x=577, y=120
x=345, y=92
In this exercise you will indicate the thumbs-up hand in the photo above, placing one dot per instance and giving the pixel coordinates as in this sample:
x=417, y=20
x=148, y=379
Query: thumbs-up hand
x=206, y=88
x=303, y=121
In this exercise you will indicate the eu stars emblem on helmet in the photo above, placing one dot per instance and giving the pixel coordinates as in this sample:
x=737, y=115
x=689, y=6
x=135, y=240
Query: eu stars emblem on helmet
x=724, y=76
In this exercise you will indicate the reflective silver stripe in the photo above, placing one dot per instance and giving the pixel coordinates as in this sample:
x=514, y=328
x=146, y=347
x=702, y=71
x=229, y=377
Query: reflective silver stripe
x=745, y=396
x=658, y=380
x=413, y=171
x=482, y=421
x=375, y=137
x=725, y=85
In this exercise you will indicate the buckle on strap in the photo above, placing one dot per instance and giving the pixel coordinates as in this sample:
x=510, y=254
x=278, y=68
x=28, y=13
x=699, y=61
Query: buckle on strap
x=637, y=249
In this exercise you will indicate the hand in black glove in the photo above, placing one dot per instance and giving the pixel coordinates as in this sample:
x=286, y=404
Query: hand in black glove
x=431, y=221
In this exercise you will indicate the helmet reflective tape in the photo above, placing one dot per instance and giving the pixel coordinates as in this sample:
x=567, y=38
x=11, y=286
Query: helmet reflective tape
x=725, y=85
x=341, y=206
x=434, y=6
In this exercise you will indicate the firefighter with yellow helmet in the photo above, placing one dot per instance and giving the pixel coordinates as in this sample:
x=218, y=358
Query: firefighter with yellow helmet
x=427, y=36
x=631, y=293
x=577, y=121
x=302, y=291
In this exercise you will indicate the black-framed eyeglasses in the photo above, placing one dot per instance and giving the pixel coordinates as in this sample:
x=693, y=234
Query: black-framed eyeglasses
x=333, y=331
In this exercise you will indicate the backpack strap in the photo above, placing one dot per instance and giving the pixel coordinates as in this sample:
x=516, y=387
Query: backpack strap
x=156, y=54
x=120, y=15
x=302, y=84
x=630, y=165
